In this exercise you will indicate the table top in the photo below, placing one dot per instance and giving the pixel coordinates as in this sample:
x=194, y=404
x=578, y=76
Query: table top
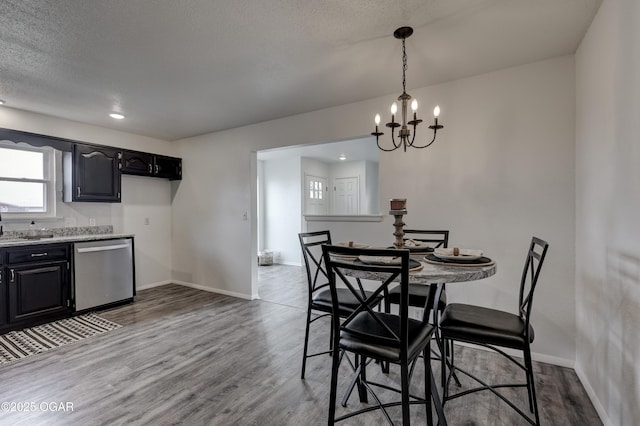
x=436, y=274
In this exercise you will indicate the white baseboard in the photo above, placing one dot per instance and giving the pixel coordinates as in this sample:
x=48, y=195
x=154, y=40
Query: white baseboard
x=151, y=285
x=213, y=290
x=604, y=417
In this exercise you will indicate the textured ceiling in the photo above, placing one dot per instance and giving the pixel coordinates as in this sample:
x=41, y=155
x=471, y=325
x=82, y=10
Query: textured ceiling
x=183, y=68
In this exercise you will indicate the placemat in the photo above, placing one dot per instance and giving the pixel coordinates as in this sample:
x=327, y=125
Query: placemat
x=483, y=261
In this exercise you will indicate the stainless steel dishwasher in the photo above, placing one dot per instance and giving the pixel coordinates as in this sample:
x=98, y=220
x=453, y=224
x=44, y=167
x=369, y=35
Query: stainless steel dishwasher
x=104, y=272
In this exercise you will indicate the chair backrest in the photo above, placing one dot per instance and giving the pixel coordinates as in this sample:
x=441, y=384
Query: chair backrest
x=436, y=239
x=311, y=245
x=344, y=273
x=532, y=266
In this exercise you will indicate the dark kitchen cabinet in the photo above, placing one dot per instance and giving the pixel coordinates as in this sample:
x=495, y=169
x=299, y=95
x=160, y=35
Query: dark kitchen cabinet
x=167, y=167
x=92, y=173
x=146, y=164
x=3, y=292
x=137, y=163
x=38, y=284
x=37, y=291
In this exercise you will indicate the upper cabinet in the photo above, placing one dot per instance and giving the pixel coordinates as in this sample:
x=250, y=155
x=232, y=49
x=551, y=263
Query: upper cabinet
x=167, y=167
x=93, y=175
x=137, y=163
x=145, y=164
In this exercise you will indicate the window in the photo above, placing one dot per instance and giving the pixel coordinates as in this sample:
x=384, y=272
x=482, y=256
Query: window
x=27, y=184
x=315, y=189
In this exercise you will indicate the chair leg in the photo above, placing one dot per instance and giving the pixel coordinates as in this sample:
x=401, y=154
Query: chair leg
x=306, y=344
x=442, y=420
x=443, y=365
x=362, y=389
x=427, y=384
x=335, y=365
x=531, y=384
x=453, y=371
x=330, y=337
x=404, y=379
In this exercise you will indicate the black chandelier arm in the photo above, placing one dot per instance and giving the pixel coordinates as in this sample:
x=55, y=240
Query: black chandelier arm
x=413, y=138
x=435, y=130
x=377, y=135
x=393, y=140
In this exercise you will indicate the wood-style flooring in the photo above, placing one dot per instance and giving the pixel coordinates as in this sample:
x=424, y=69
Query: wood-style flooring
x=185, y=356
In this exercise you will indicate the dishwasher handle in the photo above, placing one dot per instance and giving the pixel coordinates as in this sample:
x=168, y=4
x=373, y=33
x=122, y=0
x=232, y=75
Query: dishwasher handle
x=102, y=248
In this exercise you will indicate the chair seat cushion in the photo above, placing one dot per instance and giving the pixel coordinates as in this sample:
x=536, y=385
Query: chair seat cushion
x=378, y=343
x=321, y=301
x=484, y=325
x=418, y=296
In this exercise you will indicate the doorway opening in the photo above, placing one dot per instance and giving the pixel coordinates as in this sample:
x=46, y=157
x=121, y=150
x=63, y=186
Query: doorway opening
x=339, y=178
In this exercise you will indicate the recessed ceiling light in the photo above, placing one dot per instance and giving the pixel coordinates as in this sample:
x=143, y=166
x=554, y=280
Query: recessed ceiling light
x=116, y=116
x=342, y=157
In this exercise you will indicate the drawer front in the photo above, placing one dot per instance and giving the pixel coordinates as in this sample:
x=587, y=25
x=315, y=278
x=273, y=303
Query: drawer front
x=37, y=253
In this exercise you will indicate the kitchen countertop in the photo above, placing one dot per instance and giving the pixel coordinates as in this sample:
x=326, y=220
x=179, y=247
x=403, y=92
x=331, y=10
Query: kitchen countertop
x=15, y=242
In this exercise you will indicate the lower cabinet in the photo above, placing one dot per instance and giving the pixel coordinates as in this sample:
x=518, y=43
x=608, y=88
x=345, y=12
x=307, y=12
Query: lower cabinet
x=3, y=293
x=39, y=290
x=35, y=285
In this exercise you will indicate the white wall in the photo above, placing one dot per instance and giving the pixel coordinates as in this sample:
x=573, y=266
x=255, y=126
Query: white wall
x=372, y=188
x=608, y=209
x=502, y=171
x=283, y=209
x=141, y=197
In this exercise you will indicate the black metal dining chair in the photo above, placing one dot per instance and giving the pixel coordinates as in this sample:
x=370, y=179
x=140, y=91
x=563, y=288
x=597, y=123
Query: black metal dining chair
x=382, y=336
x=319, y=301
x=421, y=296
x=496, y=329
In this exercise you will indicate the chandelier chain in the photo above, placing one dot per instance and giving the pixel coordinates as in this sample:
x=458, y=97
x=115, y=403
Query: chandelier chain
x=404, y=67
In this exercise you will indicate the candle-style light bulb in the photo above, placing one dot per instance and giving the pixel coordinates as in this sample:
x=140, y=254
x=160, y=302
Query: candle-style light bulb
x=414, y=107
x=394, y=109
x=436, y=111
x=377, y=119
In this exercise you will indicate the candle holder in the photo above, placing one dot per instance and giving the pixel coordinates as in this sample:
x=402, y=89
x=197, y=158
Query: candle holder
x=398, y=224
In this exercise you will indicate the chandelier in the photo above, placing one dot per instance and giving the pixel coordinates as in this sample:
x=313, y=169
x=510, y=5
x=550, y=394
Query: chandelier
x=405, y=138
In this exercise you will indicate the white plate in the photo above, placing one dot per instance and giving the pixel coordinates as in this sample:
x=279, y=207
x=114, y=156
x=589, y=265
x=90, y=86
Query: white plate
x=464, y=254
x=354, y=245
x=380, y=260
x=408, y=243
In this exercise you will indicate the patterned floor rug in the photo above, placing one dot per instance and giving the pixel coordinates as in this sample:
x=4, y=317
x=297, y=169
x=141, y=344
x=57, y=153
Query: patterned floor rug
x=21, y=344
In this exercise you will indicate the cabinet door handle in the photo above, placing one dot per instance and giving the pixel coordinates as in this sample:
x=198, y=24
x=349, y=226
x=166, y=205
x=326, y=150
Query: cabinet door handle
x=38, y=254
x=78, y=191
x=156, y=169
x=150, y=169
x=13, y=275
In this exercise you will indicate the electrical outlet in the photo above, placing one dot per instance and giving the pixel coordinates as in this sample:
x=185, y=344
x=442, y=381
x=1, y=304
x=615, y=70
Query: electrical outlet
x=245, y=216
x=70, y=222
x=146, y=221
x=92, y=221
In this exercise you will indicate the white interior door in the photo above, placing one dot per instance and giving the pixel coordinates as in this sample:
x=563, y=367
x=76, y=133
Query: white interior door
x=315, y=199
x=347, y=195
